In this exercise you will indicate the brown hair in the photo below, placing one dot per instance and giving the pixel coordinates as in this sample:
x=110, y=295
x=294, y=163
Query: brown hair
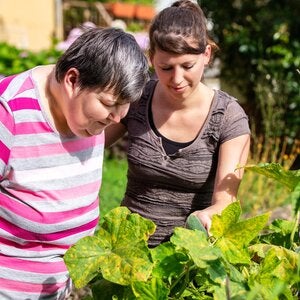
x=180, y=29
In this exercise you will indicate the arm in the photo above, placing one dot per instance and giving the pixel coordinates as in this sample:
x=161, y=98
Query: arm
x=232, y=153
x=6, y=137
x=113, y=133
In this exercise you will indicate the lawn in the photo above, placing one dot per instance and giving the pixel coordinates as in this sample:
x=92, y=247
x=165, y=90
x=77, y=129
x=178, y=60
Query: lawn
x=113, y=184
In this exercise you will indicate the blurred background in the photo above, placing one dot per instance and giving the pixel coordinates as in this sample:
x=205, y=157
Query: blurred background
x=258, y=63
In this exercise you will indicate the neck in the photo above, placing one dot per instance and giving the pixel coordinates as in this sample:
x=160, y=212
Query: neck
x=54, y=96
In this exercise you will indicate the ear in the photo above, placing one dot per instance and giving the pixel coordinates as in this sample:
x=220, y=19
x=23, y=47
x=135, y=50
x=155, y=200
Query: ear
x=150, y=55
x=71, y=79
x=207, y=54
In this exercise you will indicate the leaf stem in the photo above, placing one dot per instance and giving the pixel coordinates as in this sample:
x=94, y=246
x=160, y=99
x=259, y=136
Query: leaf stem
x=189, y=267
x=295, y=227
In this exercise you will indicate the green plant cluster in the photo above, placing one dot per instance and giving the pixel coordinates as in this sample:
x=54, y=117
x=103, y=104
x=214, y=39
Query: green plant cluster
x=14, y=60
x=239, y=259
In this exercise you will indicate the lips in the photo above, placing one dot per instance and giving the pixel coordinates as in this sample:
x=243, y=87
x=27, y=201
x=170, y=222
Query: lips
x=179, y=88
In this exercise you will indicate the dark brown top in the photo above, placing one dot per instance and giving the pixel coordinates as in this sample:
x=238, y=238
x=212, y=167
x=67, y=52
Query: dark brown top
x=167, y=188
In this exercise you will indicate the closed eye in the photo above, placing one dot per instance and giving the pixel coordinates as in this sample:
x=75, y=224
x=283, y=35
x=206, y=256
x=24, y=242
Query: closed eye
x=167, y=68
x=188, y=67
x=108, y=103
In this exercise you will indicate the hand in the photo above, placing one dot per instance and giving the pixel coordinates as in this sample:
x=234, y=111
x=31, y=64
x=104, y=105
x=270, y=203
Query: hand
x=204, y=217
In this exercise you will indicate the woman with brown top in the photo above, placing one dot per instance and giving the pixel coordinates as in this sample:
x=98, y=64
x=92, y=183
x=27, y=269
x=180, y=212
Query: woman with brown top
x=185, y=139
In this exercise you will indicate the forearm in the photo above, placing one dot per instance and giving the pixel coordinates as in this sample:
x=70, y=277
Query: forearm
x=113, y=133
x=232, y=154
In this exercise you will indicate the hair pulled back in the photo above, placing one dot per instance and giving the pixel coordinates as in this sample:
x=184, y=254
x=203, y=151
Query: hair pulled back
x=180, y=29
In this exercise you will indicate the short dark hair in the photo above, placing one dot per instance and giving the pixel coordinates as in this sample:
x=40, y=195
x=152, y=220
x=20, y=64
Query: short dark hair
x=107, y=59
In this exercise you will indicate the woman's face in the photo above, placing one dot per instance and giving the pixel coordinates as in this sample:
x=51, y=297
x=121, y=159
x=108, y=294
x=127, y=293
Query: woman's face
x=180, y=74
x=90, y=112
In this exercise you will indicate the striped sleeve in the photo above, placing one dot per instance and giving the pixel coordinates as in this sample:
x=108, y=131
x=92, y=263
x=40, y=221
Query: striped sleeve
x=6, y=136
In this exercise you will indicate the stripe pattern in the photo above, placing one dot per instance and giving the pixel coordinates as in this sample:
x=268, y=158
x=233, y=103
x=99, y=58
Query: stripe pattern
x=48, y=194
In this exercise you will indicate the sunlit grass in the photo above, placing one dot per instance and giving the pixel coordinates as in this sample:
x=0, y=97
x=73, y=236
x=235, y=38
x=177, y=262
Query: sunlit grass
x=258, y=193
x=113, y=184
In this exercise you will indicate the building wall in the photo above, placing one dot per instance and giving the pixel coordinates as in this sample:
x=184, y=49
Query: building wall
x=28, y=24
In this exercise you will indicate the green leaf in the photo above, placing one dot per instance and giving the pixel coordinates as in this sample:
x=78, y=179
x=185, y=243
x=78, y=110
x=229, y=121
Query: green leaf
x=230, y=290
x=295, y=198
x=274, y=290
x=229, y=217
x=120, y=222
x=168, y=262
x=264, y=250
x=227, y=225
x=196, y=244
x=154, y=289
x=281, y=233
x=235, y=254
x=245, y=231
x=193, y=222
x=103, y=289
x=282, y=226
x=118, y=250
x=289, y=178
x=84, y=258
x=233, y=236
x=280, y=266
x=216, y=271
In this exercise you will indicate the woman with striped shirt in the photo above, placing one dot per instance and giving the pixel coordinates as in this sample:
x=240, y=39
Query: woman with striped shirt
x=51, y=150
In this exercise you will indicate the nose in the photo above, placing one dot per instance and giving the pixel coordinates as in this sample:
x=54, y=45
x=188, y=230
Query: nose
x=114, y=118
x=118, y=113
x=177, y=76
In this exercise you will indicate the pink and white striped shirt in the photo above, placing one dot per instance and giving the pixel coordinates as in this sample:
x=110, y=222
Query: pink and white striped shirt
x=49, y=188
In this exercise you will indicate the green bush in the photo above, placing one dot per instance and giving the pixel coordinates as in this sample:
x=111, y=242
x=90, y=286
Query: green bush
x=14, y=60
x=260, y=57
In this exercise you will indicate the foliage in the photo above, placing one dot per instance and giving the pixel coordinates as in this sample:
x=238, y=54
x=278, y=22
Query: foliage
x=288, y=178
x=240, y=259
x=252, y=190
x=14, y=60
x=262, y=64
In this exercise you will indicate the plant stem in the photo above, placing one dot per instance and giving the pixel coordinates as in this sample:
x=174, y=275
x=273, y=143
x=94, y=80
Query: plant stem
x=189, y=267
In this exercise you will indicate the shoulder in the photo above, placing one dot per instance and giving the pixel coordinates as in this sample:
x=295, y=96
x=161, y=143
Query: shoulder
x=235, y=122
x=149, y=89
x=224, y=98
x=142, y=103
x=229, y=104
x=15, y=87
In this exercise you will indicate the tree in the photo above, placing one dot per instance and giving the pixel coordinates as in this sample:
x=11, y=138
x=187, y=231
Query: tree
x=260, y=55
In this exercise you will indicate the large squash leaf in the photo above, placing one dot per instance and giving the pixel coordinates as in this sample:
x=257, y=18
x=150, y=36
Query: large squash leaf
x=168, y=261
x=150, y=290
x=289, y=178
x=233, y=236
x=196, y=244
x=118, y=250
